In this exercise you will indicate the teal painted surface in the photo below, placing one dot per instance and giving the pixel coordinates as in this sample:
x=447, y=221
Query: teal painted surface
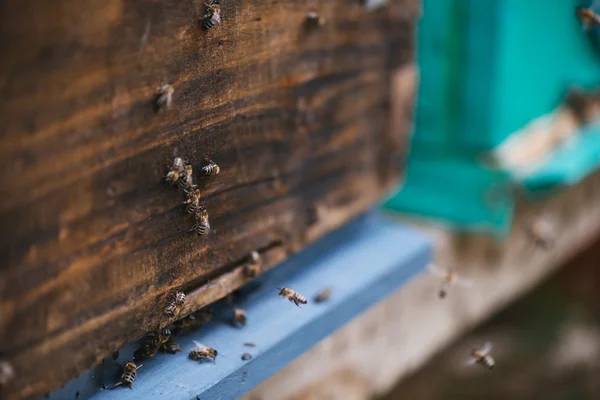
x=569, y=164
x=487, y=68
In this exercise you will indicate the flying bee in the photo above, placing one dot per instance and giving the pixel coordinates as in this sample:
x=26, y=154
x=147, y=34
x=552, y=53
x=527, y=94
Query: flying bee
x=292, y=296
x=164, y=97
x=212, y=16
x=482, y=356
x=314, y=20
x=193, y=201
x=151, y=344
x=323, y=295
x=170, y=346
x=202, y=352
x=202, y=225
x=239, y=317
x=129, y=375
x=541, y=232
x=449, y=278
x=7, y=372
x=211, y=168
x=588, y=17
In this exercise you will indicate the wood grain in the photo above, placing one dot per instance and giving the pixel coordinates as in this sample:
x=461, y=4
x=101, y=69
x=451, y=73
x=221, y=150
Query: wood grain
x=93, y=241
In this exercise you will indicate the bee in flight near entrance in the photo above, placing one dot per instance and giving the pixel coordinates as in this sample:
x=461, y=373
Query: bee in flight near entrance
x=129, y=375
x=588, y=17
x=212, y=16
x=292, y=296
x=449, y=278
x=482, y=356
x=202, y=352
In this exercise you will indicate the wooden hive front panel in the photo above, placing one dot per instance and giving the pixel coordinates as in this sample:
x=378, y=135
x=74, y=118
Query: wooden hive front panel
x=93, y=240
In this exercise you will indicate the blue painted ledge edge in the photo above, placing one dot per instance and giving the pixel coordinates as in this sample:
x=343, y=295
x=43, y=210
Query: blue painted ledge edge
x=362, y=263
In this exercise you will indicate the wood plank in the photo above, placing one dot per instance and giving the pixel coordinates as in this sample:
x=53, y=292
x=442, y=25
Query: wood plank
x=279, y=330
x=94, y=240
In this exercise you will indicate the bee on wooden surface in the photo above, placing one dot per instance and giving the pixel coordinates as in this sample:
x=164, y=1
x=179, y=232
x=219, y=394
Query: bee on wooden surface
x=323, y=295
x=482, y=356
x=202, y=225
x=588, y=17
x=164, y=97
x=175, y=305
x=541, y=232
x=176, y=170
x=314, y=20
x=193, y=200
x=186, y=179
x=211, y=168
x=292, y=296
x=202, y=352
x=7, y=372
x=212, y=16
x=170, y=346
x=239, y=317
x=449, y=278
x=129, y=375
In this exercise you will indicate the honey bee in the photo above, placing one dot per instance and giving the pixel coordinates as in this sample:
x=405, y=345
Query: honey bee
x=176, y=304
x=292, y=296
x=541, y=232
x=588, y=17
x=323, y=295
x=314, y=20
x=129, y=375
x=202, y=352
x=192, y=321
x=193, y=201
x=482, y=356
x=151, y=344
x=186, y=179
x=239, y=317
x=211, y=168
x=449, y=278
x=164, y=97
x=7, y=372
x=170, y=346
x=252, y=270
x=176, y=170
x=202, y=225
x=212, y=16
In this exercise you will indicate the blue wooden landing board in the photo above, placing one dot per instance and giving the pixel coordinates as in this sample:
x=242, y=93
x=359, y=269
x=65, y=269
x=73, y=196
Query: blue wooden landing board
x=362, y=263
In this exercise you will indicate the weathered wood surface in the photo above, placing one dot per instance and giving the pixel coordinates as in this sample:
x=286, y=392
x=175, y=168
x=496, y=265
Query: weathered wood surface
x=93, y=242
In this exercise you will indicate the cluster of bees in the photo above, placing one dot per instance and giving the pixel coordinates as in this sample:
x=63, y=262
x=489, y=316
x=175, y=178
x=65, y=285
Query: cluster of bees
x=162, y=340
x=181, y=175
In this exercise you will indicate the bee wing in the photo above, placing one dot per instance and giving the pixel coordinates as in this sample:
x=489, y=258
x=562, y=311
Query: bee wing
x=217, y=18
x=198, y=344
x=437, y=270
x=471, y=361
x=487, y=347
x=464, y=282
